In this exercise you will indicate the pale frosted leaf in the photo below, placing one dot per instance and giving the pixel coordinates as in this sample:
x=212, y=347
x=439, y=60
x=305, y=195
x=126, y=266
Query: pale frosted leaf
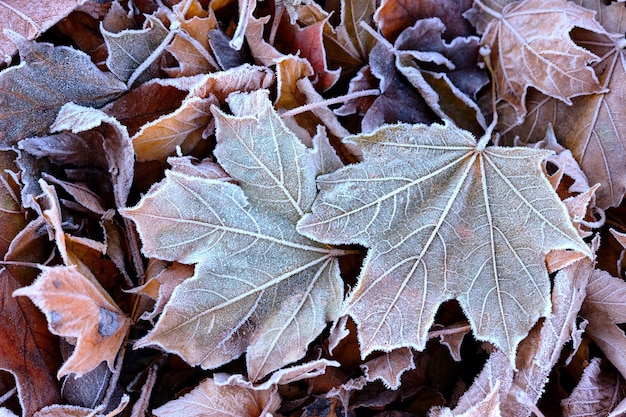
x=259, y=286
x=276, y=173
x=541, y=350
x=30, y=19
x=544, y=57
x=75, y=308
x=324, y=155
x=487, y=407
x=443, y=219
x=389, y=367
x=211, y=400
x=129, y=48
x=32, y=93
x=596, y=394
x=183, y=128
x=282, y=376
x=604, y=308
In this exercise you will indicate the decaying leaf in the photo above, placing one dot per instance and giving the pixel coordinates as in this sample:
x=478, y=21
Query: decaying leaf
x=259, y=287
x=211, y=400
x=443, y=219
x=32, y=93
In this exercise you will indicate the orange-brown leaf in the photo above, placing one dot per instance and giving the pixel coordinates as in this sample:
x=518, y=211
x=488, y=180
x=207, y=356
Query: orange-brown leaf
x=75, y=308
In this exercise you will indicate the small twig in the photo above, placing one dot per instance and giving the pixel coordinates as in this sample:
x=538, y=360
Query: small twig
x=330, y=101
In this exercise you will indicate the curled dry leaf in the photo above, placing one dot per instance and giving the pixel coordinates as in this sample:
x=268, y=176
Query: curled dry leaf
x=75, y=308
x=436, y=212
x=393, y=16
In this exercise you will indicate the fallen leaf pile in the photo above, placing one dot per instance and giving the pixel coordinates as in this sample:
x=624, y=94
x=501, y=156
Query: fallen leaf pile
x=312, y=208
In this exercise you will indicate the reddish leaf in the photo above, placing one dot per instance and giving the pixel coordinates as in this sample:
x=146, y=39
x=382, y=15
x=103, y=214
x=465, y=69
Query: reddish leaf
x=309, y=42
x=29, y=351
x=393, y=16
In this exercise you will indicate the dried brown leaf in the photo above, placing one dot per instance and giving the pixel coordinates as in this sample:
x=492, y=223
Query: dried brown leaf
x=308, y=41
x=183, y=129
x=191, y=46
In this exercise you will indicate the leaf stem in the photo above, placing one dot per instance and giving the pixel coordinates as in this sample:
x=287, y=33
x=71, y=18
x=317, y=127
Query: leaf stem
x=488, y=9
x=330, y=101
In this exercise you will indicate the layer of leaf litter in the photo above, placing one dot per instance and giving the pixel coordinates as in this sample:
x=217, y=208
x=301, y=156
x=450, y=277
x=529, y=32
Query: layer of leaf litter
x=443, y=218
